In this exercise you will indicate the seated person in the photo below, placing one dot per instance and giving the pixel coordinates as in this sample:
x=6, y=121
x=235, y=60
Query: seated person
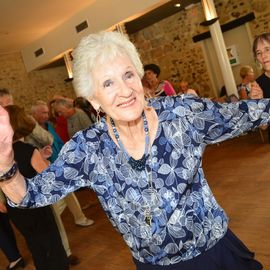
x=248, y=81
x=152, y=84
x=185, y=89
x=223, y=97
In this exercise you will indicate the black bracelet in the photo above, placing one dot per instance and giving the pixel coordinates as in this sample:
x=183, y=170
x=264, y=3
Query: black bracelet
x=10, y=173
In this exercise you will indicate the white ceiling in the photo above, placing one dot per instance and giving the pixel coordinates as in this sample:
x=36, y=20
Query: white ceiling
x=24, y=21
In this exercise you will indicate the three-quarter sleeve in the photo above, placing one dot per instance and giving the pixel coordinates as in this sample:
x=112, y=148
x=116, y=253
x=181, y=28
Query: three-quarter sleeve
x=69, y=172
x=216, y=122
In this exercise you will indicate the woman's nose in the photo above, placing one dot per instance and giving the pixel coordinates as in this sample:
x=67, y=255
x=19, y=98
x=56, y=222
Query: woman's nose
x=124, y=88
x=265, y=53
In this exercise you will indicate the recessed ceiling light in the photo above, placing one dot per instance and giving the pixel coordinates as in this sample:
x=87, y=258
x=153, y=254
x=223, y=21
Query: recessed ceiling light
x=177, y=5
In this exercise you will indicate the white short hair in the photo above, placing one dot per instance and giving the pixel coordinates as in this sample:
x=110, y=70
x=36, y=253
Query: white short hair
x=99, y=48
x=37, y=104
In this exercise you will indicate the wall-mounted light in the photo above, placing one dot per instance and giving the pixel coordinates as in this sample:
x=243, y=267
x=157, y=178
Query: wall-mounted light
x=68, y=61
x=120, y=27
x=177, y=5
x=209, y=10
x=209, y=22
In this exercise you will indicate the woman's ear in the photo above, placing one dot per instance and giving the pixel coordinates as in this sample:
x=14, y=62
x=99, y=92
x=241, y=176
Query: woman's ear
x=94, y=103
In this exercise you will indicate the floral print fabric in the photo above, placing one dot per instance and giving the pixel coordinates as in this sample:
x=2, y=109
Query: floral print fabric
x=186, y=219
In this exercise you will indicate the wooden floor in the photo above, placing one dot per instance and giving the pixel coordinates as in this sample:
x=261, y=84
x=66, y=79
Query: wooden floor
x=238, y=172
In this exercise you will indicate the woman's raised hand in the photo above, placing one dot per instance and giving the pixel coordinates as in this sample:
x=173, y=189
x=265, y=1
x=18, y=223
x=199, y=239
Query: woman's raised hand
x=256, y=91
x=6, y=136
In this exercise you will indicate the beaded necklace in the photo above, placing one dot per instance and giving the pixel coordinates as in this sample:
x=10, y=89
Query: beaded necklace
x=136, y=164
x=140, y=165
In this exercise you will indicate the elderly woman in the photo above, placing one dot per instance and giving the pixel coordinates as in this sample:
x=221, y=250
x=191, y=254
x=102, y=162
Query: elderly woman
x=144, y=161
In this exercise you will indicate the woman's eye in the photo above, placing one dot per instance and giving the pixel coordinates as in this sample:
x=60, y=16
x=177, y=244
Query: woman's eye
x=258, y=53
x=107, y=83
x=129, y=75
x=267, y=49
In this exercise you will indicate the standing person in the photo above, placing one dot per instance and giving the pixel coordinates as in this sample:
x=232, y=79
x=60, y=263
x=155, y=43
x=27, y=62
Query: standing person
x=144, y=161
x=39, y=136
x=77, y=119
x=153, y=85
x=40, y=112
x=261, y=52
x=70, y=119
x=37, y=225
x=8, y=242
x=5, y=97
x=59, y=122
x=83, y=104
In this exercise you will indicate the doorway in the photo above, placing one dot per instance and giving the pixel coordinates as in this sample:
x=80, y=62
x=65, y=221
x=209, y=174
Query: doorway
x=240, y=41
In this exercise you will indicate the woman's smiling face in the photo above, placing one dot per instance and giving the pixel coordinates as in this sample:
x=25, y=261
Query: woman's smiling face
x=263, y=54
x=118, y=89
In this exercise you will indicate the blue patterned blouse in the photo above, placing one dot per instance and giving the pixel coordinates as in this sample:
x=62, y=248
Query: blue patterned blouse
x=186, y=219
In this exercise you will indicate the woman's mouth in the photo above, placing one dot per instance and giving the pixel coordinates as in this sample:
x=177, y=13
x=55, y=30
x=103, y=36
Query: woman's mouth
x=127, y=103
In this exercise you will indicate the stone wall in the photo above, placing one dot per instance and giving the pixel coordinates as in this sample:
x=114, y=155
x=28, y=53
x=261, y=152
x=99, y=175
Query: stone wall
x=169, y=43
x=28, y=87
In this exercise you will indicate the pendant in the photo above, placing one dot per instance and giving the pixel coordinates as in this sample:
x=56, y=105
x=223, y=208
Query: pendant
x=139, y=164
x=148, y=218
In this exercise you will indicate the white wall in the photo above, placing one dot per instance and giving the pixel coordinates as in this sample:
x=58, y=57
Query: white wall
x=101, y=15
x=239, y=37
